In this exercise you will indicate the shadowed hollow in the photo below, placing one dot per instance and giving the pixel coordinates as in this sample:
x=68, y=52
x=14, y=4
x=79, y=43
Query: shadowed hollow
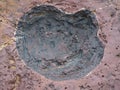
x=57, y=45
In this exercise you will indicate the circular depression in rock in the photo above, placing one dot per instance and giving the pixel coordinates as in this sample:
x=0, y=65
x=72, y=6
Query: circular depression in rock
x=57, y=45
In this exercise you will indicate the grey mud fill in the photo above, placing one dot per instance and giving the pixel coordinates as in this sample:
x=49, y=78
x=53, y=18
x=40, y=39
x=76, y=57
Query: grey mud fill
x=57, y=45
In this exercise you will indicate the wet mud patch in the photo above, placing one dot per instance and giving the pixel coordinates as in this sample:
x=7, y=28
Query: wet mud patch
x=57, y=45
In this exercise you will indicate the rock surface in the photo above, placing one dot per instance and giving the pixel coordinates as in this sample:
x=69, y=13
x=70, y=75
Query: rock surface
x=15, y=75
x=57, y=45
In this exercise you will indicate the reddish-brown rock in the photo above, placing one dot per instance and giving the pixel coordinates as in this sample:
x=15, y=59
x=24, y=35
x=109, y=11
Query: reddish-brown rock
x=15, y=75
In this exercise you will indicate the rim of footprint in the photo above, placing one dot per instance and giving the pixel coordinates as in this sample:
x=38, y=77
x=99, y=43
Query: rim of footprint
x=57, y=45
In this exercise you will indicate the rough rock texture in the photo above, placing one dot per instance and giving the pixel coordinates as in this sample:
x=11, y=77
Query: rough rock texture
x=57, y=45
x=15, y=75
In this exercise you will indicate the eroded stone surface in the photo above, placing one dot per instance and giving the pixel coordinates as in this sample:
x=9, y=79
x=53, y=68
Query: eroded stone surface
x=57, y=45
x=15, y=75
